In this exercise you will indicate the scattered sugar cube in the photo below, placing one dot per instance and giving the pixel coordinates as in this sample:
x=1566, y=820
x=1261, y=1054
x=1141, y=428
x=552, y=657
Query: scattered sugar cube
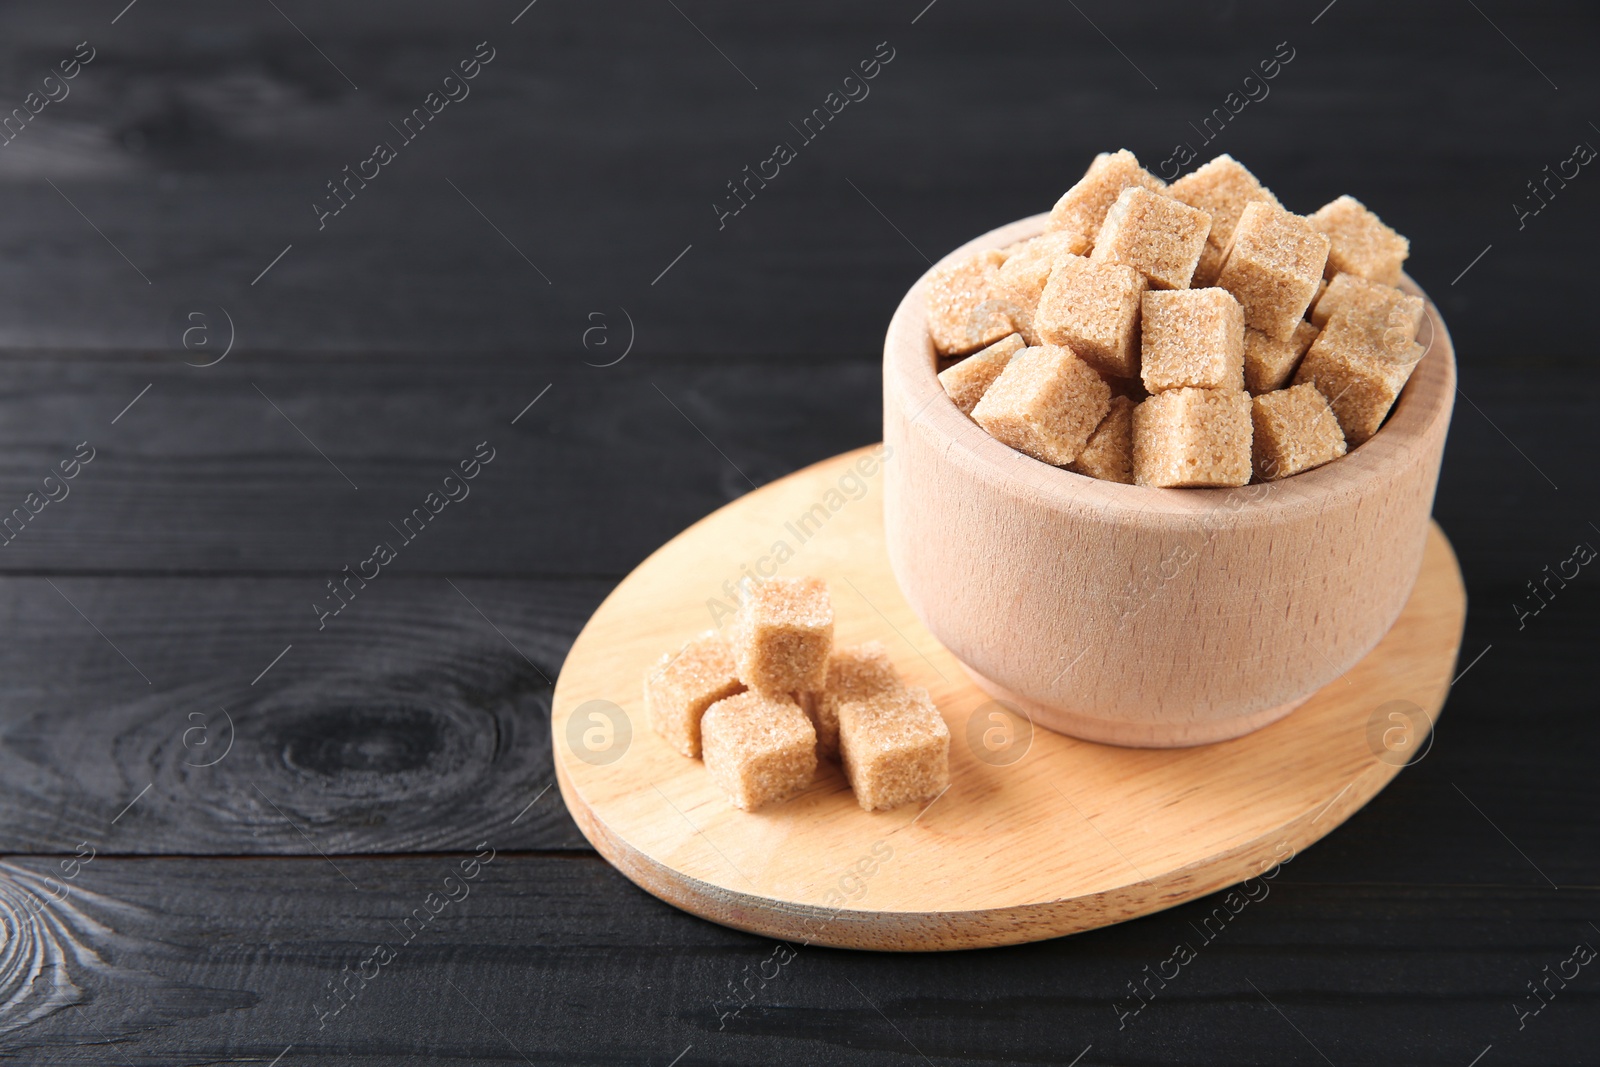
x=1154, y=234
x=1093, y=308
x=1109, y=452
x=679, y=689
x=1361, y=243
x=1192, y=437
x=1045, y=404
x=1083, y=208
x=782, y=635
x=857, y=673
x=1294, y=430
x=1360, y=366
x=1192, y=337
x=967, y=309
x=967, y=381
x=1373, y=303
x=760, y=750
x=1273, y=267
x=1221, y=189
x=895, y=748
x=1268, y=362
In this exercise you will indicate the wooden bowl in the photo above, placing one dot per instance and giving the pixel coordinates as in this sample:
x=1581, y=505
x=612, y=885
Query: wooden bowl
x=1150, y=617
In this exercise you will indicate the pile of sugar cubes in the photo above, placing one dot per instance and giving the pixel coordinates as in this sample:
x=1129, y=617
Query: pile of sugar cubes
x=1192, y=334
x=762, y=706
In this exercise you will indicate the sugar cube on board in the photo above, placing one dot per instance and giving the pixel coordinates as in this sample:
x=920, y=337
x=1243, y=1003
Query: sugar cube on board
x=782, y=634
x=895, y=748
x=759, y=749
x=679, y=689
x=855, y=673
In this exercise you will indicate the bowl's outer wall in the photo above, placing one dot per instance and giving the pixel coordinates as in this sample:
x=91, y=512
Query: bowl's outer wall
x=1160, y=613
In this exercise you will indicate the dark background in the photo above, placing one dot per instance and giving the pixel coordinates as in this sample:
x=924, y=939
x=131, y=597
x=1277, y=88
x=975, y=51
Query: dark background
x=374, y=755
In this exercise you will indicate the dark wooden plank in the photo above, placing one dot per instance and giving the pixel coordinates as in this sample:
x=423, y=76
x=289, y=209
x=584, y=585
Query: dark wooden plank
x=411, y=719
x=204, y=475
x=189, y=962
x=201, y=135
x=413, y=673
x=206, y=524
x=207, y=472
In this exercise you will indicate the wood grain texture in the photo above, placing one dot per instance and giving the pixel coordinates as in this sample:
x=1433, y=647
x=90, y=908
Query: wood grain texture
x=190, y=962
x=1038, y=835
x=204, y=475
x=410, y=721
x=1138, y=616
x=200, y=137
x=201, y=476
x=194, y=142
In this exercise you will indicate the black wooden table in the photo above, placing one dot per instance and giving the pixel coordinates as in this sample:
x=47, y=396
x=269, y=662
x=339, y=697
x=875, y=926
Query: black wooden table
x=255, y=341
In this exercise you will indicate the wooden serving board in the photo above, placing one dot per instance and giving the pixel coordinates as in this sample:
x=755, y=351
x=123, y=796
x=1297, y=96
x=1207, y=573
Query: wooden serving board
x=1039, y=834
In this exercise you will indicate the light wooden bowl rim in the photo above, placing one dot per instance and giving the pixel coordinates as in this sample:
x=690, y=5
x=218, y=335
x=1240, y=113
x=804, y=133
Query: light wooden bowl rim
x=909, y=363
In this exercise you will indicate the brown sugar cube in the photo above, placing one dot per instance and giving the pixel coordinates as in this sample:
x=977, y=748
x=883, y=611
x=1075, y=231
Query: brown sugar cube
x=782, y=635
x=1273, y=267
x=1335, y=294
x=1045, y=404
x=967, y=381
x=1027, y=268
x=1383, y=309
x=1155, y=235
x=1221, y=189
x=1192, y=337
x=1360, y=366
x=1192, y=437
x=1361, y=244
x=1083, y=208
x=1028, y=265
x=1093, y=308
x=1322, y=287
x=679, y=689
x=967, y=309
x=760, y=750
x=1109, y=452
x=1268, y=362
x=895, y=748
x=1294, y=430
x=1209, y=266
x=857, y=673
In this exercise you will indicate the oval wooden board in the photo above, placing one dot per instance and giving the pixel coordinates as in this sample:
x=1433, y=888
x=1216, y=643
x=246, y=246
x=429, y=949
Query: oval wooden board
x=1070, y=836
